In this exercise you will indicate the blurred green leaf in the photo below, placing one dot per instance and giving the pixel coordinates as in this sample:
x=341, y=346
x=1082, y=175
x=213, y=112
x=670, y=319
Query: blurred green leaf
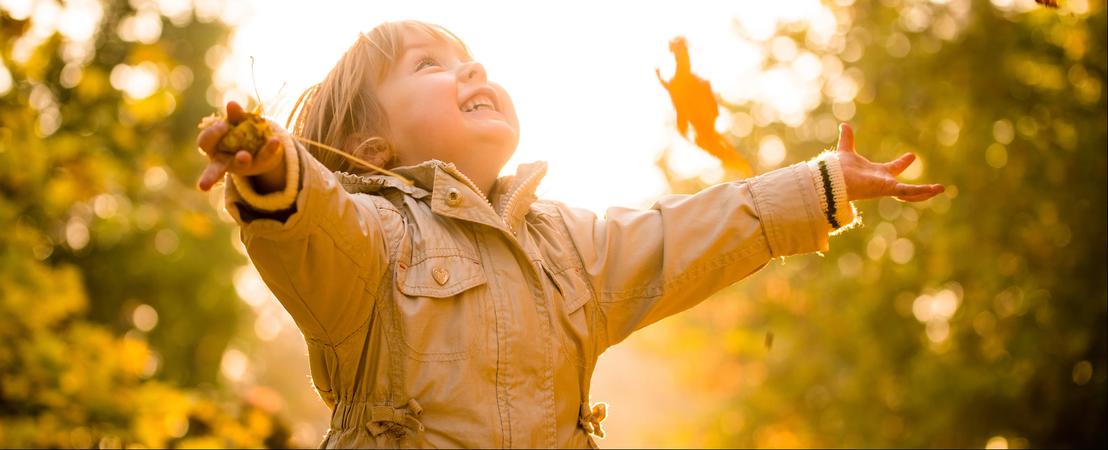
x=104, y=234
x=976, y=317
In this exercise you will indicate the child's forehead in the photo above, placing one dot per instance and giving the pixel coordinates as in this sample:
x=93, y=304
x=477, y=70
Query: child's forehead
x=426, y=40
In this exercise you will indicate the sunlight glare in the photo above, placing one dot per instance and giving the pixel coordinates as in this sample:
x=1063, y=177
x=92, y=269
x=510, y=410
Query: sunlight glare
x=583, y=84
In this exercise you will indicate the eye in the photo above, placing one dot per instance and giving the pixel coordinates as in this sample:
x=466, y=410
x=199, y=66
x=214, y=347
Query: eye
x=425, y=62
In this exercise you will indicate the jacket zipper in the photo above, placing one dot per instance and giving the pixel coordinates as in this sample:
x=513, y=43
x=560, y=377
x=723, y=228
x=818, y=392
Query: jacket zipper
x=507, y=207
x=473, y=185
x=512, y=199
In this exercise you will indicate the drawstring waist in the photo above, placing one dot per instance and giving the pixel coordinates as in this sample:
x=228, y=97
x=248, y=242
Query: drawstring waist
x=398, y=422
x=379, y=419
x=591, y=418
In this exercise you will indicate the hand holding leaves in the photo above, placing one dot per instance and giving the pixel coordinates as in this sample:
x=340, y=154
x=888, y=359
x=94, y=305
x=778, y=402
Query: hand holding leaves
x=236, y=155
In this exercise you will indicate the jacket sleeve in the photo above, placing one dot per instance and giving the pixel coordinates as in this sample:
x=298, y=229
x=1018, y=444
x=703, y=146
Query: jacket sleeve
x=645, y=265
x=319, y=249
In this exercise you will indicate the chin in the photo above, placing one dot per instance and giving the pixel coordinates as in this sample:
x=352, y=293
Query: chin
x=502, y=157
x=503, y=144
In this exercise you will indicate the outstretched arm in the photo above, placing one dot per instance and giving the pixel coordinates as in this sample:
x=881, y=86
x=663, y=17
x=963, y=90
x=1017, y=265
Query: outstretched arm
x=645, y=265
x=302, y=229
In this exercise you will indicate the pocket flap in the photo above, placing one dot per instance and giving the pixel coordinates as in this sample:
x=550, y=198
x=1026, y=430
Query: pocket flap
x=440, y=276
x=574, y=288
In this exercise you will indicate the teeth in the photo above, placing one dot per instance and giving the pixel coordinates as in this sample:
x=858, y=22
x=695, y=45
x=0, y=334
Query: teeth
x=477, y=103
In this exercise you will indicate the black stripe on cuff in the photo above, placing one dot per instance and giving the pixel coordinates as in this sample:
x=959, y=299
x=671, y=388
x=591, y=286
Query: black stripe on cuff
x=828, y=194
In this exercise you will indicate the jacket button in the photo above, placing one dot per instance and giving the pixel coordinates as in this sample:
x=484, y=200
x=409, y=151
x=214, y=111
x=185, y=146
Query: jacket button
x=441, y=275
x=453, y=197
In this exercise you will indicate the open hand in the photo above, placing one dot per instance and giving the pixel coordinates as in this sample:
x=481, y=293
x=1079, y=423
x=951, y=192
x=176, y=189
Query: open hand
x=866, y=179
x=237, y=161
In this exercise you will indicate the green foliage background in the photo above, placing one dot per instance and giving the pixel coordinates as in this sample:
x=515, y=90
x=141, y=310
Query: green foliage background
x=101, y=224
x=976, y=317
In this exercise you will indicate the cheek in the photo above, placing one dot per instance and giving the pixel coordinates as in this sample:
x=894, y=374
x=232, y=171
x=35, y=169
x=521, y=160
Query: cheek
x=422, y=116
x=507, y=107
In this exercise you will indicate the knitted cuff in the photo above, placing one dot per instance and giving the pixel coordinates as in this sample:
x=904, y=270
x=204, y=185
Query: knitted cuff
x=274, y=201
x=827, y=174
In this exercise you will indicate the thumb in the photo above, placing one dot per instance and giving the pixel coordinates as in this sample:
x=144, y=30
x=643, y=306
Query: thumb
x=235, y=113
x=846, y=138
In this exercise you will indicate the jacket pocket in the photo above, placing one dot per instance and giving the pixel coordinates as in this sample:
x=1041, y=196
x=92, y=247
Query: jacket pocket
x=573, y=289
x=439, y=306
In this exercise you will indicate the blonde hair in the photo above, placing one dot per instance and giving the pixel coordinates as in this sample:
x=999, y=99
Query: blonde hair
x=343, y=110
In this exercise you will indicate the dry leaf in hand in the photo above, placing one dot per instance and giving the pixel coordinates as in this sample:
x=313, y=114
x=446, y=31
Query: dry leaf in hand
x=250, y=134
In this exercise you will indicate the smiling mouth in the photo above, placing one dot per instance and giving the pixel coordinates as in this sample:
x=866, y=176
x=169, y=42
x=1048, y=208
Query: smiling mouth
x=482, y=100
x=479, y=107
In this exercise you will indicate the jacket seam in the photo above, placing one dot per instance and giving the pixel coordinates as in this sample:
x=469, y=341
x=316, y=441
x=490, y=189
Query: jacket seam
x=364, y=274
x=362, y=268
x=686, y=277
x=307, y=307
x=444, y=252
x=455, y=288
x=375, y=299
x=768, y=221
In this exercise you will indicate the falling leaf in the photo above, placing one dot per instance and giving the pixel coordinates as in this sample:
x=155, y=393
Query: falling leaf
x=696, y=105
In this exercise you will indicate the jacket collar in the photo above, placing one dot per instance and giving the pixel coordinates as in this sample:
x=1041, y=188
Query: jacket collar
x=452, y=194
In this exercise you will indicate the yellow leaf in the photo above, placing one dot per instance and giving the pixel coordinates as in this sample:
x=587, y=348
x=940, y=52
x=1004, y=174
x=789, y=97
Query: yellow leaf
x=133, y=356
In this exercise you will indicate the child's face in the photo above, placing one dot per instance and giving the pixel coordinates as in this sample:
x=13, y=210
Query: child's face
x=428, y=97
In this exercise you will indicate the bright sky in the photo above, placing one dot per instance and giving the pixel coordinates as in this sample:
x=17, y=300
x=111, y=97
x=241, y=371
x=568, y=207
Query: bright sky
x=581, y=74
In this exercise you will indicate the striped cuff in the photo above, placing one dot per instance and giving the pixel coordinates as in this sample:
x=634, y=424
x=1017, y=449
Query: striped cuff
x=827, y=175
x=273, y=201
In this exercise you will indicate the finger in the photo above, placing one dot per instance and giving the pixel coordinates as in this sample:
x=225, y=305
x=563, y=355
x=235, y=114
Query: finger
x=235, y=113
x=928, y=191
x=242, y=160
x=846, y=138
x=264, y=157
x=920, y=197
x=263, y=160
x=212, y=174
x=271, y=148
x=910, y=190
x=916, y=198
x=209, y=137
x=901, y=163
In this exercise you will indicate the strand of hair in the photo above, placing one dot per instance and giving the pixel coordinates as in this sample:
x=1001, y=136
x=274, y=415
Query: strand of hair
x=299, y=102
x=352, y=158
x=258, y=109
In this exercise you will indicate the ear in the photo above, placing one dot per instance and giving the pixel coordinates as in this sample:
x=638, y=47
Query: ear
x=375, y=150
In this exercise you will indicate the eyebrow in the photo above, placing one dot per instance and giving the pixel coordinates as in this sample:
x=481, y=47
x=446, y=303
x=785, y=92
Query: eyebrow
x=434, y=44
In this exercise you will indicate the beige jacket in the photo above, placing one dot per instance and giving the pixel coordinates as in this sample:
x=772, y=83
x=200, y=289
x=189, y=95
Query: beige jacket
x=436, y=318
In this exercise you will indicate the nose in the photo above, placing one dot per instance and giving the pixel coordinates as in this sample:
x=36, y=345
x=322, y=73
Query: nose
x=473, y=71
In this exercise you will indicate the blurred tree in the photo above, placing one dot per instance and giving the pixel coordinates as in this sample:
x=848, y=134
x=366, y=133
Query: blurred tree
x=117, y=302
x=978, y=317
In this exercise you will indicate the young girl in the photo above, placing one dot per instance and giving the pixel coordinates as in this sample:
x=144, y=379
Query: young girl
x=458, y=310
